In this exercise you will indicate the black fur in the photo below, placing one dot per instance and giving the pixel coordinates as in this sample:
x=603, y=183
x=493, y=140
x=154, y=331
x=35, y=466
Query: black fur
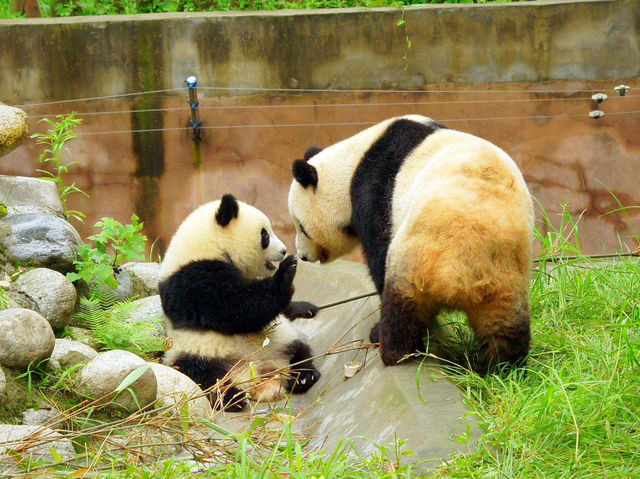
x=206, y=372
x=372, y=190
x=212, y=295
x=300, y=309
x=304, y=173
x=227, y=210
x=303, y=372
x=399, y=331
x=311, y=152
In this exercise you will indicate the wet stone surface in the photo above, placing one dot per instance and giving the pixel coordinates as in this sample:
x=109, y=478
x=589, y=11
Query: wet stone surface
x=415, y=404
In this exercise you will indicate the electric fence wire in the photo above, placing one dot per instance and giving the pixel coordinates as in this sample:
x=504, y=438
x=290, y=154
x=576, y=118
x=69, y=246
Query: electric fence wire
x=336, y=105
x=96, y=98
x=354, y=123
x=311, y=90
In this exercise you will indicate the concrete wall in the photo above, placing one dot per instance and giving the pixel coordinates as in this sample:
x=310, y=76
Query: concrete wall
x=528, y=48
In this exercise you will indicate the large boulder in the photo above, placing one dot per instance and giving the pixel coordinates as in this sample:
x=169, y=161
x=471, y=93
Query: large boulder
x=173, y=386
x=25, y=337
x=34, y=441
x=14, y=127
x=103, y=374
x=49, y=293
x=68, y=353
x=144, y=277
x=41, y=240
x=21, y=195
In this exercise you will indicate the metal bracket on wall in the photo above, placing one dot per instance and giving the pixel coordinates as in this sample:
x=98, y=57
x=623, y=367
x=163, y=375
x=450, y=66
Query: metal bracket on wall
x=596, y=100
x=599, y=98
x=622, y=90
x=196, y=123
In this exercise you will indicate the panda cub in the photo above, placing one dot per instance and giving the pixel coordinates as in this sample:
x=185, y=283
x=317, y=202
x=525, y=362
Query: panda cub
x=229, y=311
x=445, y=220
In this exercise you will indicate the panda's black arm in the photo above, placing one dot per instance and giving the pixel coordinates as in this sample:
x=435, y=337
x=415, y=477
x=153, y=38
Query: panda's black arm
x=300, y=309
x=213, y=295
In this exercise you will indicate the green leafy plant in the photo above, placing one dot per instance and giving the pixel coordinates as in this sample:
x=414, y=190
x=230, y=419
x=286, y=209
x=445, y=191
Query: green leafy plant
x=113, y=328
x=114, y=245
x=54, y=139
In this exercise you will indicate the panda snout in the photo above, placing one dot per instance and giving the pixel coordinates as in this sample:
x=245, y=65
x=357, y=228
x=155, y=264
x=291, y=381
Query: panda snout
x=283, y=252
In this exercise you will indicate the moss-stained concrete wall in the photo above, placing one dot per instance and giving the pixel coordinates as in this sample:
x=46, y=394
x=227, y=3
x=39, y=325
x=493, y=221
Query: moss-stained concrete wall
x=529, y=48
x=355, y=48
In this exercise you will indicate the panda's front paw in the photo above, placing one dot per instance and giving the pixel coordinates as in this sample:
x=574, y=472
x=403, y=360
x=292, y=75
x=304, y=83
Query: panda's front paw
x=302, y=379
x=301, y=309
x=284, y=279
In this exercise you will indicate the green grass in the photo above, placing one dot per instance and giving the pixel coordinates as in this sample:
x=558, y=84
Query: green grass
x=66, y=8
x=575, y=410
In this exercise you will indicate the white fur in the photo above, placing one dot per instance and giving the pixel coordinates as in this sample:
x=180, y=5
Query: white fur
x=259, y=360
x=200, y=237
x=327, y=209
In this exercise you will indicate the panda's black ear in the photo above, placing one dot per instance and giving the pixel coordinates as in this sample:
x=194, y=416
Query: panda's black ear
x=227, y=210
x=311, y=152
x=305, y=174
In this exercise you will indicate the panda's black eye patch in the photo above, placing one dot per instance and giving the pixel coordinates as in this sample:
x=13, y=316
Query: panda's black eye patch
x=304, y=232
x=264, y=238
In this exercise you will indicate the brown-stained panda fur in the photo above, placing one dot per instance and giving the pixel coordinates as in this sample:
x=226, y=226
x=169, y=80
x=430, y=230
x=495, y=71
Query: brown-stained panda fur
x=445, y=220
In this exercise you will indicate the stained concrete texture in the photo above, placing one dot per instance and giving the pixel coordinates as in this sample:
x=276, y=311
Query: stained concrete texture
x=378, y=404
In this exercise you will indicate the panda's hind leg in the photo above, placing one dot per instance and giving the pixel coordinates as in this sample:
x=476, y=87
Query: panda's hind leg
x=207, y=372
x=403, y=325
x=502, y=328
x=303, y=373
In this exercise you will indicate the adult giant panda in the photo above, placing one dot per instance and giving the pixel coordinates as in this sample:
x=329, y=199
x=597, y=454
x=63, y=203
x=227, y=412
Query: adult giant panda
x=444, y=219
x=226, y=309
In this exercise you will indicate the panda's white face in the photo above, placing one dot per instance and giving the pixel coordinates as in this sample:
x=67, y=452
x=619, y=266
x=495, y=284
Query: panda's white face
x=250, y=243
x=320, y=209
x=227, y=230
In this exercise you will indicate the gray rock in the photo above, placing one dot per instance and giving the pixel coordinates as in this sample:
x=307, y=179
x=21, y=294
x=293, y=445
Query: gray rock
x=51, y=294
x=41, y=240
x=34, y=441
x=105, y=373
x=68, y=353
x=30, y=195
x=173, y=386
x=146, y=308
x=25, y=336
x=37, y=417
x=14, y=127
x=144, y=277
x=125, y=286
x=3, y=385
x=410, y=401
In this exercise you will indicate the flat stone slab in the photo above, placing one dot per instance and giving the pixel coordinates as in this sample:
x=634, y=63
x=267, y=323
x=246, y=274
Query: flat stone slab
x=378, y=403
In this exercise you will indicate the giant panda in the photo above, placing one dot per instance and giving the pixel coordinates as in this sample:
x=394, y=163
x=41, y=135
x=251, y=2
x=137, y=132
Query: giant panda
x=445, y=220
x=229, y=313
